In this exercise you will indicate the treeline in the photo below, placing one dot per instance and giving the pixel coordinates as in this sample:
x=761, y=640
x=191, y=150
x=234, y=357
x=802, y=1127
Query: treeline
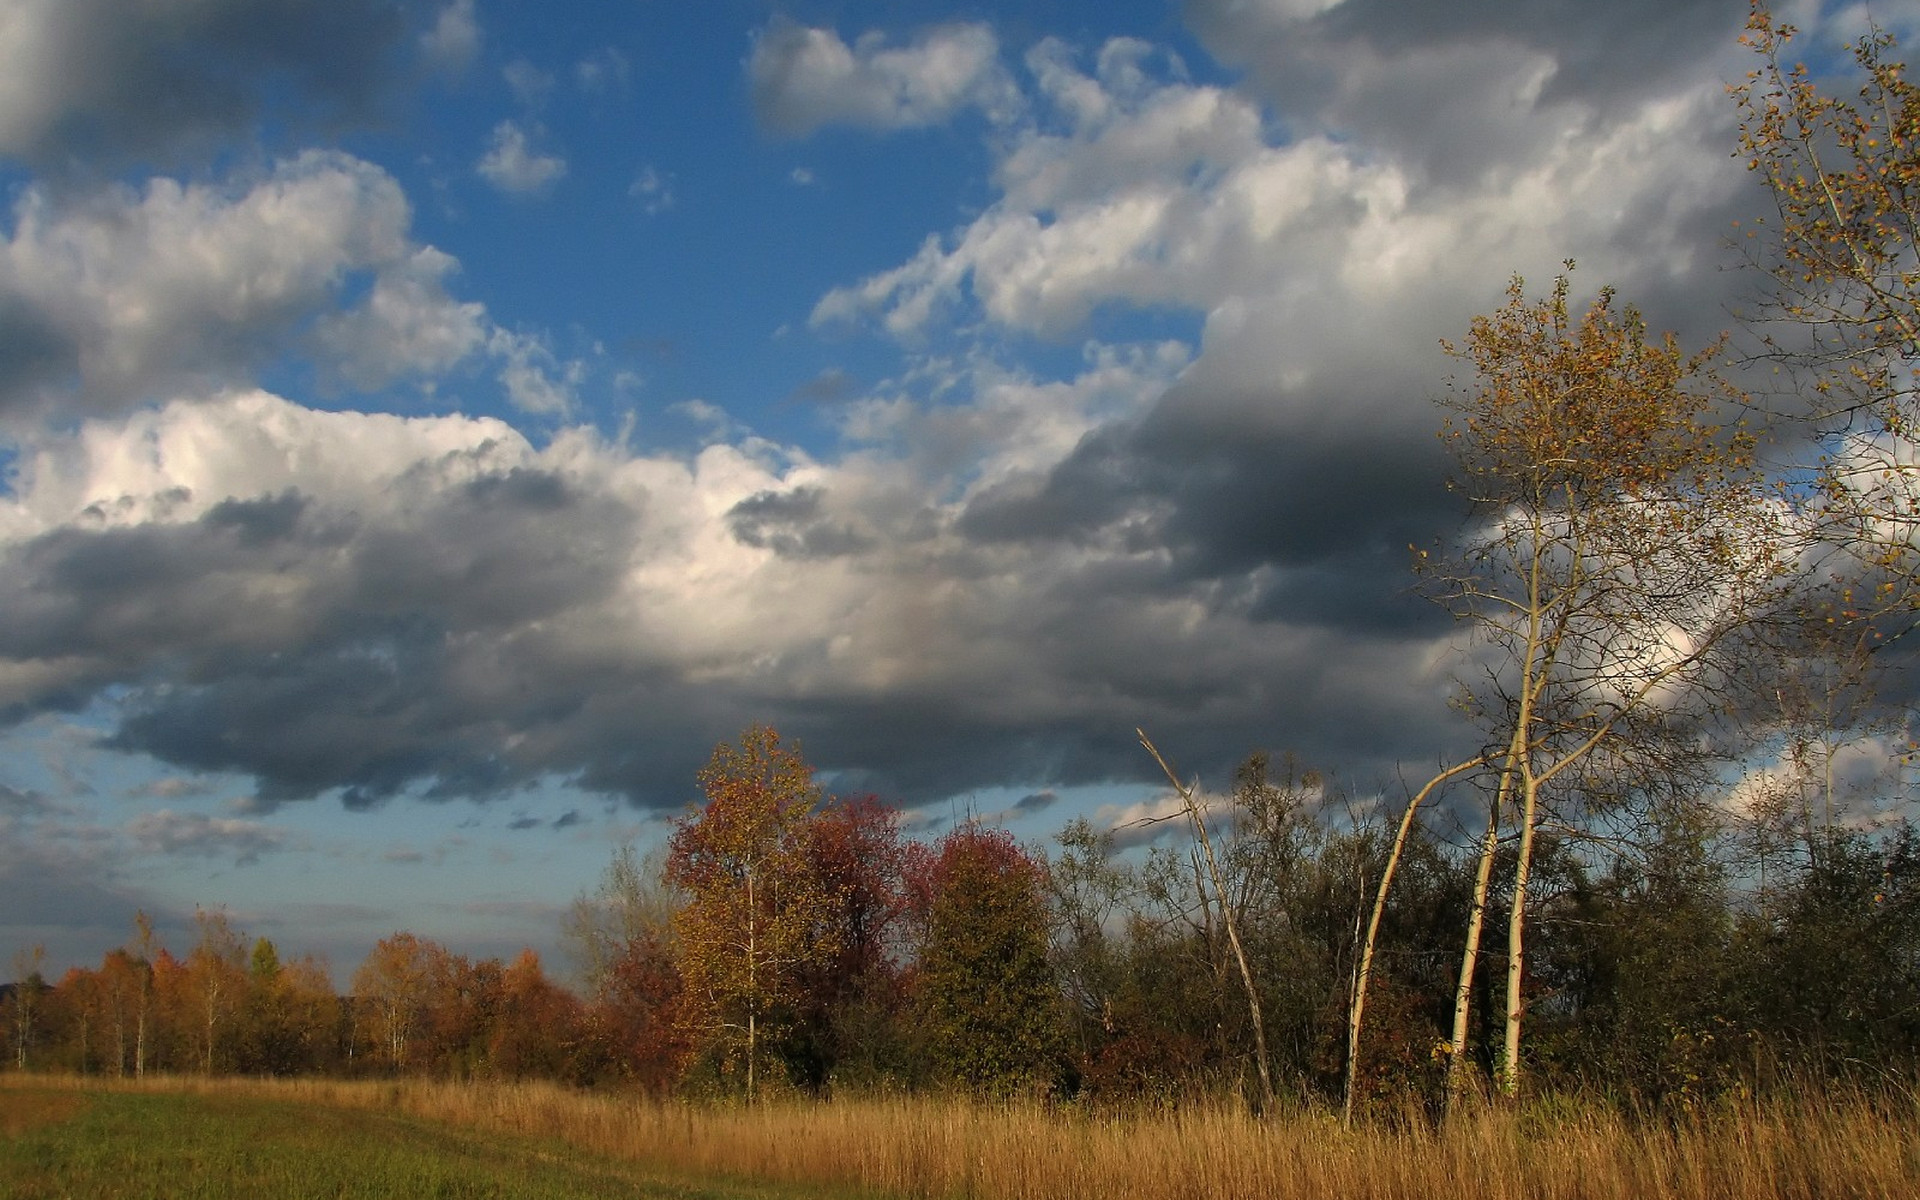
x=788, y=942
x=227, y=1006
x=811, y=945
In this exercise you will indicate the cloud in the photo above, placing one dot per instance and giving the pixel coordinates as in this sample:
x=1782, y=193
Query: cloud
x=653, y=190
x=530, y=85
x=453, y=42
x=93, y=81
x=804, y=78
x=122, y=296
x=17, y=803
x=407, y=325
x=513, y=166
x=72, y=896
x=1035, y=802
x=369, y=605
x=196, y=835
x=1293, y=461
x=989, y=575
x=605, y=70
x=534, y=378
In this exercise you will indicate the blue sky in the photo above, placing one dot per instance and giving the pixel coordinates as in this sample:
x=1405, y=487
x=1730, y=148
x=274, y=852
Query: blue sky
x=431, y=426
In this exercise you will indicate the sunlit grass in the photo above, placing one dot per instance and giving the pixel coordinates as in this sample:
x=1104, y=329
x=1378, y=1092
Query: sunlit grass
x=928, y=1147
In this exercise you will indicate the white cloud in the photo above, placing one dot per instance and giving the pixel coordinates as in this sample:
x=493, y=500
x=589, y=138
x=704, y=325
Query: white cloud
x=530, y=85
x=135, y=293
x=512, y=165
x=200, y=836
x=806, y=78
x=454, y=41
x=407, y=325
x=653, y=189
x=535, y=380
x=605, y=70
x=1169, y=193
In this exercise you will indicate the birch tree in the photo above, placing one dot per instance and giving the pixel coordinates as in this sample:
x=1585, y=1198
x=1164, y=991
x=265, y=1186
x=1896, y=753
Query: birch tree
x=217, y=977
x=1623, y=543
x=27, y=987
x=752, y=919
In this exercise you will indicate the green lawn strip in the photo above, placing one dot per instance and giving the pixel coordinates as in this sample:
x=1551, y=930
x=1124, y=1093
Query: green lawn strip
x=144, y=1146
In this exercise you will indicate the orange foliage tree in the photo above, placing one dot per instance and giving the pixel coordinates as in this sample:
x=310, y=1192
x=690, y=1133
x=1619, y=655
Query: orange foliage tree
x=752, y=921
x=390, y=995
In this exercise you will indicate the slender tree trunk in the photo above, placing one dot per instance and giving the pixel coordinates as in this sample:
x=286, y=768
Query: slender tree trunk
x=753, y=992
x=213, y=1001
x=1470, y=952
x=1216, y=958
x=1226, y=916
x=119, y=1037
x=1516, y=937
x=143, y=936
x=1363, y=976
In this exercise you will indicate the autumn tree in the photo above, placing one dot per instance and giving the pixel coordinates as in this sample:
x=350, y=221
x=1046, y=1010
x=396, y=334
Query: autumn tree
x=83, y=999
x=1622, y=545
x=216, y=976
x=1841, y=250
x=28, y=988
x=391, y=990
x=985, y=993
x=631, y=905
x=140, y=958
x=622, y=933
x=849, y=998
x=291, y=1019
x=536, y=1030
x=752, y=921
x=463, y=1003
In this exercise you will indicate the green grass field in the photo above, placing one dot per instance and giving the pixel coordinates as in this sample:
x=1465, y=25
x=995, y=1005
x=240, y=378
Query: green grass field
x=58, y=1143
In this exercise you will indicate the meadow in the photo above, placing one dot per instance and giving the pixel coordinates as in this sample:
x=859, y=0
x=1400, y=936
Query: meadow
x=191, y=1138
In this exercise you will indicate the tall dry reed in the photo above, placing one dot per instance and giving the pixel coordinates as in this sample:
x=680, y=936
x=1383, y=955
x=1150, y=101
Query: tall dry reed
x=1850, y=1146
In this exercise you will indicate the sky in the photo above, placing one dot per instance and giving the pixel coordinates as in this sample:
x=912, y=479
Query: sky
x=430, y=426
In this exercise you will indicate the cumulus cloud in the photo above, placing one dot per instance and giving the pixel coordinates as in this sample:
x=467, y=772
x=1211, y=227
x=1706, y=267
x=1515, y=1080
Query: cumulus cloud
x=125, y=295
x=368, y=605
x=805, y=78
x=512, y=165
x=453, y=42
x=1293, y=460
x=533, y=377
x=83, y=81
x=407, y=325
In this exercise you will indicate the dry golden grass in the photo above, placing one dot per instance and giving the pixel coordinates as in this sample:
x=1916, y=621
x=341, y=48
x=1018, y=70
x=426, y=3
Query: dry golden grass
x=925, y=1147
x=21, y=1111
